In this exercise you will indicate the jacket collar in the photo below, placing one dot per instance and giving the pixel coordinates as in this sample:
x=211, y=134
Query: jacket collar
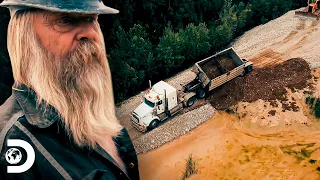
x=35, y=115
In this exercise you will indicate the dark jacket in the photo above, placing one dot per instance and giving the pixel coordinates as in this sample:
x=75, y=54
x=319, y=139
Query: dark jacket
x=56, y=156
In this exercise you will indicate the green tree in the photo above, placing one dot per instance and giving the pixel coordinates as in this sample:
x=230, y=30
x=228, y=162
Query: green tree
x=265, y=10
x=131, y=60
x=244, y=14
x=154, y=16
x=196, y=41
x=169, y=51
x=226, y=27
x=184, y=13
x=208, y=10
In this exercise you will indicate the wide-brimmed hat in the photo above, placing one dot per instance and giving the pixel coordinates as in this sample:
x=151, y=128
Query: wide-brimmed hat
x=67, y=6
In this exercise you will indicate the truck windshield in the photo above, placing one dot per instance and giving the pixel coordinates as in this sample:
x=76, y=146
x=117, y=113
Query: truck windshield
x=149, y=103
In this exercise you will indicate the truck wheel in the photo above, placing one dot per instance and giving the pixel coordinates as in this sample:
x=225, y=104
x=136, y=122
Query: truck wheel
x=201, y=93
x=249, y=69
x=190, y=101
x=154, y=123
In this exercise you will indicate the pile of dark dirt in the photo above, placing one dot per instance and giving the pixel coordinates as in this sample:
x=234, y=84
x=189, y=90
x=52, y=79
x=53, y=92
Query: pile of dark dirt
x=227, y=95
x=274, y=103
x=291, y=106
x=266, y=83
x=272, y=112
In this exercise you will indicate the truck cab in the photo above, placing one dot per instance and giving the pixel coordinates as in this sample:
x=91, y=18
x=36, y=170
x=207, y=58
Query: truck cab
x=155, y=106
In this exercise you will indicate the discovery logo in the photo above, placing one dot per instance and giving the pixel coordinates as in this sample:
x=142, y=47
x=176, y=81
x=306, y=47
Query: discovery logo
x=14, y=156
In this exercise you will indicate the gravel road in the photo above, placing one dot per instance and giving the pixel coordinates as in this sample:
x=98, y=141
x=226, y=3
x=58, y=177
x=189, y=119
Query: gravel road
x=172, y=128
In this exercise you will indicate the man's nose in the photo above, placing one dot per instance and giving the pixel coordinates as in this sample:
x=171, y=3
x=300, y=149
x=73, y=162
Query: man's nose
x=88, y=31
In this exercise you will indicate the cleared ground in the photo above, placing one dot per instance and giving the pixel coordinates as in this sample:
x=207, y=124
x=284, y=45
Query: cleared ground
x=286, y=37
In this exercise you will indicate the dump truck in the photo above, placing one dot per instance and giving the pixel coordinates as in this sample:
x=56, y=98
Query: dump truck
x=162, y=100
x=311, y=11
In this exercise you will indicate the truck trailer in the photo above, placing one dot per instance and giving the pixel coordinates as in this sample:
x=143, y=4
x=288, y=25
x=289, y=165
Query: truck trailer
x=162, y=100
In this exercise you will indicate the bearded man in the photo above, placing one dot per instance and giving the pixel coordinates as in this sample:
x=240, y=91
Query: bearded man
x=62, y=100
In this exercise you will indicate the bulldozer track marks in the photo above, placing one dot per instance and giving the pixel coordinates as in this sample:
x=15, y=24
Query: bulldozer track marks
x=267, y=57
x=290, y=36
x=280, y=50
x=298, y=45
x=301, y=25
x=314, y=23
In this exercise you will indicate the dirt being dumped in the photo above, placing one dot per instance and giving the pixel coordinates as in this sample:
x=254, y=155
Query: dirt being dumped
x=227, y=95
x=266, y=83
x=215, y=68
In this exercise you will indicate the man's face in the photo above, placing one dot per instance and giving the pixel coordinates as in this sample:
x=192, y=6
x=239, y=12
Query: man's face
x=60, y=33
x=62, y=58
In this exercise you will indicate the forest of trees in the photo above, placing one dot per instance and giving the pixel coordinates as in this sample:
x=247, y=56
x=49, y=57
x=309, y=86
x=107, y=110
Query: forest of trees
x=154, y=39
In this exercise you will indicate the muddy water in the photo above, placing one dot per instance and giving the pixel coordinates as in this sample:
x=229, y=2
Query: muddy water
x=227, y=148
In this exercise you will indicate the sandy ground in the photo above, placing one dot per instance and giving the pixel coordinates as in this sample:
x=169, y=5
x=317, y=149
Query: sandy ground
x=253, y=143
x=226, y=147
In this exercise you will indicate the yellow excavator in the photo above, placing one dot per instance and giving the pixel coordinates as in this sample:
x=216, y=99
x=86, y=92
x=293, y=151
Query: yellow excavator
x=312, y=10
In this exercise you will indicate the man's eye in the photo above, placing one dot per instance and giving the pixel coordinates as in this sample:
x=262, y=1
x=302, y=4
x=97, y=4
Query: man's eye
x=65, y=21
x=91, y=19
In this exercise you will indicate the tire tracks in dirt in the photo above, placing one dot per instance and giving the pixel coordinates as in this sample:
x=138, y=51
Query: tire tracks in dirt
x=279, y=51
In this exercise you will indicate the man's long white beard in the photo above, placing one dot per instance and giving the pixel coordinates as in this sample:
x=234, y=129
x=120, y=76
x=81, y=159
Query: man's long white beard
x=79, y=88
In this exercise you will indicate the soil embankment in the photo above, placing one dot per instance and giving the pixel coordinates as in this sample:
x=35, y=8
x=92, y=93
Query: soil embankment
x=267, y=83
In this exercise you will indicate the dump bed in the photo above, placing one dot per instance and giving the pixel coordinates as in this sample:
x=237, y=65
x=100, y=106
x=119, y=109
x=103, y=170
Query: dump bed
x=219, y=68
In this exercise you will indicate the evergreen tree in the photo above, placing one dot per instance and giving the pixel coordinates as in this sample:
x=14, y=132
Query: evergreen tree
x=131, y=60
x=196, y=41
x=169, y=51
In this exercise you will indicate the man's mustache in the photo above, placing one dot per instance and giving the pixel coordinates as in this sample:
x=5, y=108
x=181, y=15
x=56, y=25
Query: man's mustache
x=86, y=50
